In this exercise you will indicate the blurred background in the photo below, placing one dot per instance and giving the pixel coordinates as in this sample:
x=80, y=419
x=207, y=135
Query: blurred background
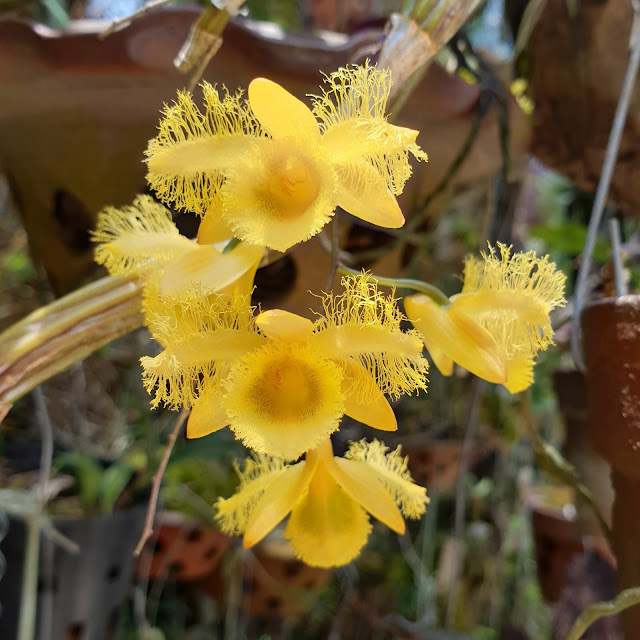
x=514, y=102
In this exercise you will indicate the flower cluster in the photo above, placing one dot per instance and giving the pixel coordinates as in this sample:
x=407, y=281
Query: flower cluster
x=268, y=172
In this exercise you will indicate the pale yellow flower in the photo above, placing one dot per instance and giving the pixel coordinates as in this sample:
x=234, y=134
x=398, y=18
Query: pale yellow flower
x=280, y=381
x=329, y=500
x=271, y=171
x=142, y=240
x=499, y=322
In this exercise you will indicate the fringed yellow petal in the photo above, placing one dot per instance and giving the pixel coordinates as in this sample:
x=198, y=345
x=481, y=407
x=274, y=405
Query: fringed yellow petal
x=461, y=338
x=393, y=473
x=362, y=484
x=174, y=321
x=352, y=113
x=201, y=336
x=519, y=373
x=280, y=193
x=214, y=228
x=280, y=113
x=365, y=325
x=259, y=472
x=189, y=156
x=382, y=147
x=207, y=415
x=278, y=500
x=523, y=273
x=327, y=528
x=284, y=398
x=284, y=325
x=136, y=238
x=205, y=267
x=355, y=92
x=364, y=194
x=364, y=401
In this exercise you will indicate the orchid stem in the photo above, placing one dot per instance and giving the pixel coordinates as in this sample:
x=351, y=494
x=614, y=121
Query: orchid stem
x=402, y=283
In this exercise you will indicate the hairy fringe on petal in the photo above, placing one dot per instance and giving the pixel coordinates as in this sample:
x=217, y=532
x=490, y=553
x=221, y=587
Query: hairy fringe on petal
x=354, y=92
x=357, y=97
x=391, y=162
x=178, y=320
x=360, y=304
x=398, y=367
x=145, y=221
x=393, y=473
x=234, y=512
x=182, y=125
x=188, y=321
x=521, y=274
x=535, y=277
x=172, y=383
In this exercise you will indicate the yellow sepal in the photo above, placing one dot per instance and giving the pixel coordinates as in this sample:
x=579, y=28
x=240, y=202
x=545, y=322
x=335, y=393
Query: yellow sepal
x=362, y=484
x=280, y=113
x=284, y=325
x=364, y=401
x=461, y=338
x=278, y=500
x=207, y=414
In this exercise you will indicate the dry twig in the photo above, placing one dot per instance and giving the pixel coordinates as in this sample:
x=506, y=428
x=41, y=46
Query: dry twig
x=147, y=532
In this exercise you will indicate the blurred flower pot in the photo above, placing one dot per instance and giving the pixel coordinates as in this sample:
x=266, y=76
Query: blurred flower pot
x=181, y=550
x=555, y=537
x=435, y=465
x=611, y=329
x=76, y=113
x=593, y=470
x=79, y=594
x=275, y=584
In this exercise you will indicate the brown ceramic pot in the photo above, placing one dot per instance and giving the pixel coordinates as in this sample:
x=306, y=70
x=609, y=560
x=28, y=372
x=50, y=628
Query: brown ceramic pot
x=611, y=330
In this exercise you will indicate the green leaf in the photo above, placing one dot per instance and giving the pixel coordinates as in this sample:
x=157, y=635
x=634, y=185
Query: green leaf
x=114, y=480
x=570, y=238
x=87, y=473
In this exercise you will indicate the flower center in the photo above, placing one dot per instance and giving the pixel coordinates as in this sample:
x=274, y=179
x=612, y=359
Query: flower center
x=289, y=389
x=293, y=185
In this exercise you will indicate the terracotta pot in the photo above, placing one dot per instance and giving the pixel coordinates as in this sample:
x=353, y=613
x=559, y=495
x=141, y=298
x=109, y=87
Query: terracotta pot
x=593, y=470
x=611, y=329
x=555, y=536
x=275, y=584
x=181, y=550
x=76, y=113
x=577, y=61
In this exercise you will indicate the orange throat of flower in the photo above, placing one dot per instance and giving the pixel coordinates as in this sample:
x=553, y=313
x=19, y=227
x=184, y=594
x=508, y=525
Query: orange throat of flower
x=291, y=187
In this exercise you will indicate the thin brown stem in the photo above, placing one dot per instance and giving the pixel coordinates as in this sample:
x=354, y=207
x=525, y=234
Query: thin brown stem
x=147, y=532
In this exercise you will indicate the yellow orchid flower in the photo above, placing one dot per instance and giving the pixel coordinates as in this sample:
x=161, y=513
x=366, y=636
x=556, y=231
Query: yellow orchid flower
x=280, y=381
x=142, y=239
x=498, y=323
x=271, y=171
x=328, y=498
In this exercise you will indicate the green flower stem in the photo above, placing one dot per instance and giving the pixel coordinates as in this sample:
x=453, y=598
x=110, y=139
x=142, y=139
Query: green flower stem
x=402, y=283
x=231, y=245
x=59, y=334
x=624, y=600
